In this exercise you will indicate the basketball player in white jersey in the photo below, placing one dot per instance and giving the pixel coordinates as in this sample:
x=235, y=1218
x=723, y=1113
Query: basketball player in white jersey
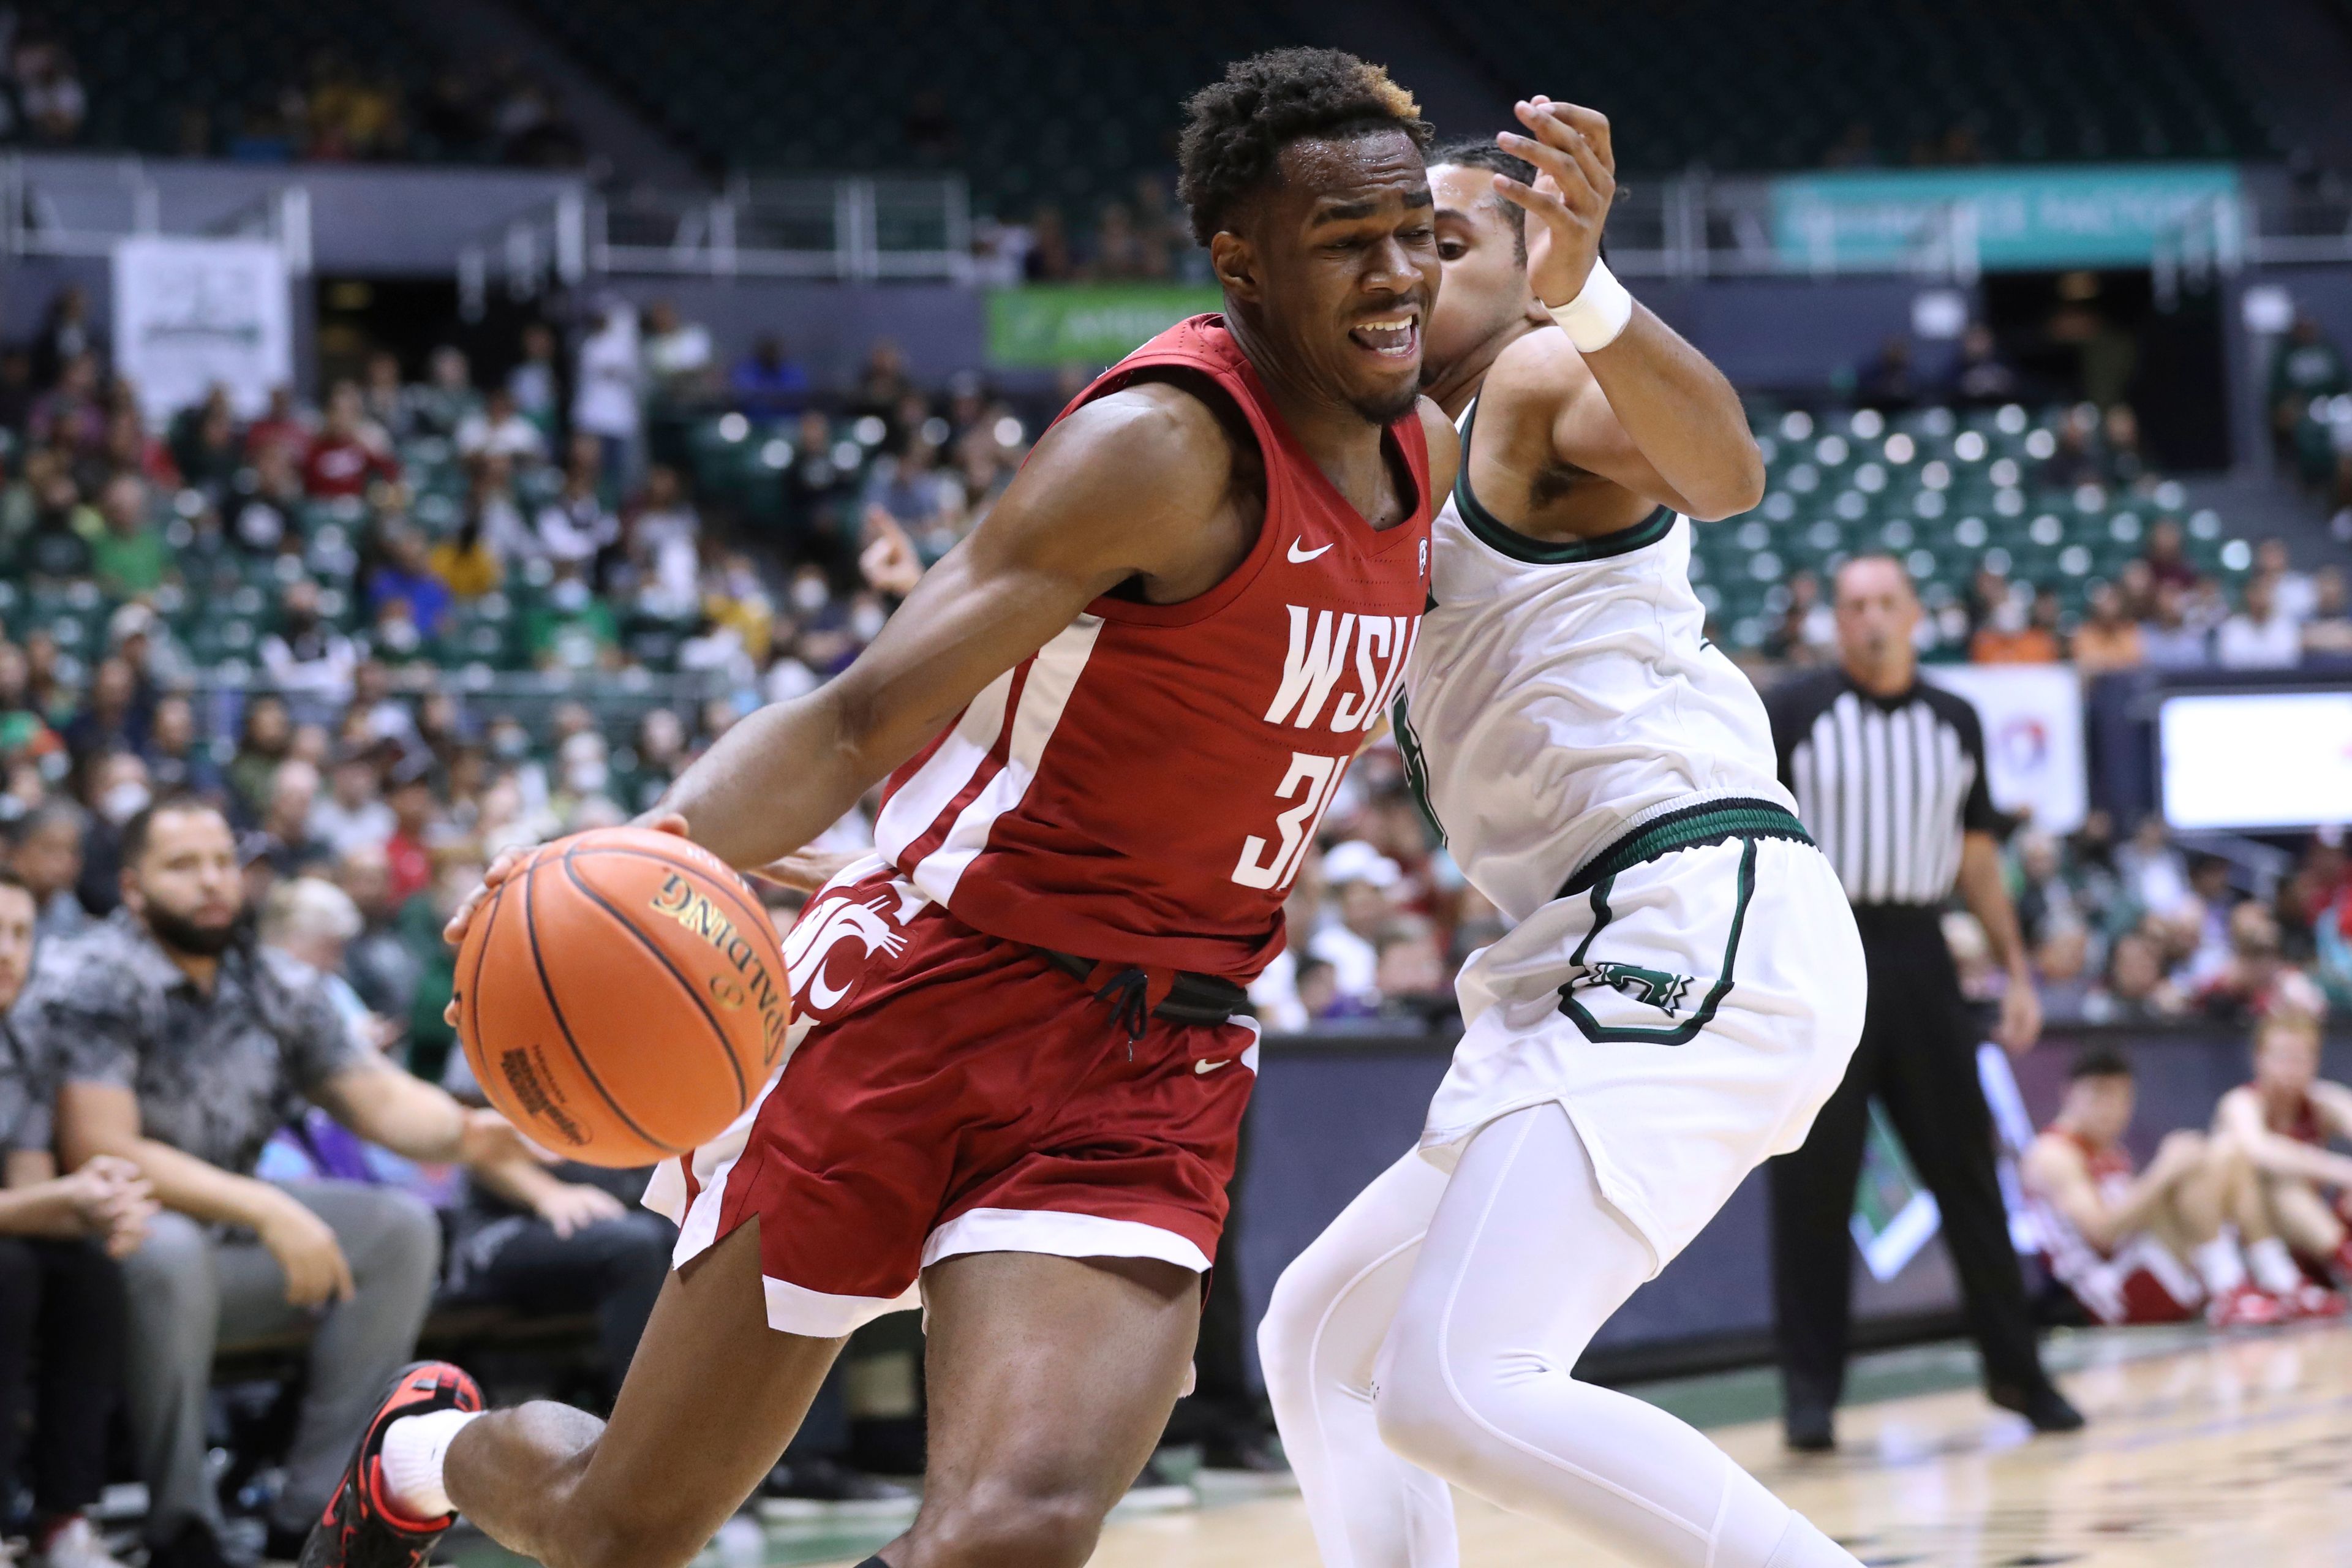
x=1683, y=983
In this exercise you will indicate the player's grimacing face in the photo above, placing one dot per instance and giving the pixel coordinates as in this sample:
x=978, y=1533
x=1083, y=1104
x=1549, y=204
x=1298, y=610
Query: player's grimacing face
x=1342, y=257
x=1486, y=272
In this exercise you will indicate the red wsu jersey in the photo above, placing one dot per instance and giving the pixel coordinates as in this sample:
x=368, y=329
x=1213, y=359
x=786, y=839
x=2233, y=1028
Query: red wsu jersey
x=1144, y=787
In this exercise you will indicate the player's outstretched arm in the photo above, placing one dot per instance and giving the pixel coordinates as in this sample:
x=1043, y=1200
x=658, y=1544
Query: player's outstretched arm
x=1126, y=486
x=1653, y=413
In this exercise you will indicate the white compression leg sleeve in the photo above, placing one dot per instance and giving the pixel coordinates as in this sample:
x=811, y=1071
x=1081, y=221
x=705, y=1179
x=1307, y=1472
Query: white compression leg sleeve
x=1318, y=1341
x=1523, y=1263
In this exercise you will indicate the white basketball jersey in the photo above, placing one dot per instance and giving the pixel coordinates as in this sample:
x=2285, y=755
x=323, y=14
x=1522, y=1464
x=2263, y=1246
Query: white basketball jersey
x=1563, y=693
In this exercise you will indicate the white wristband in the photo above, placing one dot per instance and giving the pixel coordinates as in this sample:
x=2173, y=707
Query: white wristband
x=1594, y=317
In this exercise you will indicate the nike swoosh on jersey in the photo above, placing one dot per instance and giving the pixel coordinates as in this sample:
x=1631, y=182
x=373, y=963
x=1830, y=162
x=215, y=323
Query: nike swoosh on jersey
x=1300, y=557
x=1221, y=1061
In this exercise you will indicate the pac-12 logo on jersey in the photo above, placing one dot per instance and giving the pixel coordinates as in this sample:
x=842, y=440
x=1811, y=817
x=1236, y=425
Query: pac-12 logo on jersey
x=1325, y=646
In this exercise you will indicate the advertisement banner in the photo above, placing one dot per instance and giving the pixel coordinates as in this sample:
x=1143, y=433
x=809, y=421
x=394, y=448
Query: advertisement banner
x=2022, y=219
x=2032, y=716
x=1050, y=324
x=189, y=312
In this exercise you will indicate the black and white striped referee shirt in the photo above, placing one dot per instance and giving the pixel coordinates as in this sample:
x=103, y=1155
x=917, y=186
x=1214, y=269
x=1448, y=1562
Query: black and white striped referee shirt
x=1885, y=786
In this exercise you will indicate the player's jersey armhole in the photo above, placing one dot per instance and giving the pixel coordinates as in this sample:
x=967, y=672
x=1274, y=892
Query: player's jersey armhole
x=1198, y=381
x=1504, y=540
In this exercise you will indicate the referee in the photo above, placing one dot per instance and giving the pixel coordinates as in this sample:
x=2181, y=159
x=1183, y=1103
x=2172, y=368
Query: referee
x=1889, y=777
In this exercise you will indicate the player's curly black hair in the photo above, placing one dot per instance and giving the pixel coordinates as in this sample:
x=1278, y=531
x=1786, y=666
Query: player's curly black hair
x=1235, y=129
x=1472, y=153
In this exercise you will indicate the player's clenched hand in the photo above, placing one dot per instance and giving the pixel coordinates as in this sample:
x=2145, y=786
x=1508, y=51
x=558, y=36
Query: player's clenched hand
x=1570, y=200
x=888, y=563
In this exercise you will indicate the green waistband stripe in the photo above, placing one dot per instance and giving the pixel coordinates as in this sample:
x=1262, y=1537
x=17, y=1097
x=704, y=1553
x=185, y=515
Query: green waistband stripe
x=1710, y=821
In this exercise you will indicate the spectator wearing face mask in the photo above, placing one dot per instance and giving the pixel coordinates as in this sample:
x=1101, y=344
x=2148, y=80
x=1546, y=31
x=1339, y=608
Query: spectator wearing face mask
x=608, y=379
x=572, y=628
x=500, y=428
x=117, y=790
x=1360, y=878
x=2261, y=636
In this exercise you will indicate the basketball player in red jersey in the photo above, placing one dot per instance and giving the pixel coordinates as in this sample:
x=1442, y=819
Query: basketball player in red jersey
x=2153, y=1245
x=2283, y=1123
x=1110, y=719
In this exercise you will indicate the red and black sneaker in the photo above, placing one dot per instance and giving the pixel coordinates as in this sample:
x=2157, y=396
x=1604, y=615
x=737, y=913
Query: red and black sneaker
x=361, y=1529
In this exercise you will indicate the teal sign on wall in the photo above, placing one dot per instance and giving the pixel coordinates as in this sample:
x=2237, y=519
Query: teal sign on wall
x=2024, y=219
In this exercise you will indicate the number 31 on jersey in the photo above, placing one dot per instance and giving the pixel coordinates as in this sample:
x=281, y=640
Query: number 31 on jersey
x=1310, y=782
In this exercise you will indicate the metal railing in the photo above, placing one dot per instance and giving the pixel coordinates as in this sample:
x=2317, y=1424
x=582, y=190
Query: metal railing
x=85, y=206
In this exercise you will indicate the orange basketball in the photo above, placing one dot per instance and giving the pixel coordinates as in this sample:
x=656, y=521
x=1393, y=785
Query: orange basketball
x=622, y=997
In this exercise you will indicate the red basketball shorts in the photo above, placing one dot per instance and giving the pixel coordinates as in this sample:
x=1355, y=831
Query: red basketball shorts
x=2140, y=1282
x=950, y=1092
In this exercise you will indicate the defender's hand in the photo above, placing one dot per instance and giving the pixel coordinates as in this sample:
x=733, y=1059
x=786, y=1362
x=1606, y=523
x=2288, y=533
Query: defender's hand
x=1570, y=200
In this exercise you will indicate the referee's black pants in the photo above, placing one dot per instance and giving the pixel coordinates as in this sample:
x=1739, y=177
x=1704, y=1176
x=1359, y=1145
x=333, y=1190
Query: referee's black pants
x=1917, y=1055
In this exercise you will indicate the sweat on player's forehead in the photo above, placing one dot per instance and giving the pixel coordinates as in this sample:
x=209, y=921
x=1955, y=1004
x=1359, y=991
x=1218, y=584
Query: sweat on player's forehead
x=1350, y=178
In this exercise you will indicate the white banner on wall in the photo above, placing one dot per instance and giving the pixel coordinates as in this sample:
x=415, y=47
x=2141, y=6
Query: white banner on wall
x=2033, y=717
x=189, y=312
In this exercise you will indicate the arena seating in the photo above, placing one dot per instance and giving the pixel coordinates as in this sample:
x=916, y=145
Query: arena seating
x=1945, y=490
x=1738, y=86
x=793, y=84
x=146, y=63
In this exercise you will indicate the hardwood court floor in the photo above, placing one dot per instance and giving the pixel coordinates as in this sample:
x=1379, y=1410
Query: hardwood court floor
x=2201, y=1453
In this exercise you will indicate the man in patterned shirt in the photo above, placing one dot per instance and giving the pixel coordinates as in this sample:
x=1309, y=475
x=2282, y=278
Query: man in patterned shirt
x=182, y=1047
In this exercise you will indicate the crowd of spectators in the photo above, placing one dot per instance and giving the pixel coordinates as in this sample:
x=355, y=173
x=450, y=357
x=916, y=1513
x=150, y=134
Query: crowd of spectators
x=1141, y=239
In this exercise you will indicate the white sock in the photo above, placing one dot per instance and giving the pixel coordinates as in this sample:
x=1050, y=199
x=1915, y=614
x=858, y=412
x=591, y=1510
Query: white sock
x=413, y=1447
x=2219, y=1264
x=2274, y=1266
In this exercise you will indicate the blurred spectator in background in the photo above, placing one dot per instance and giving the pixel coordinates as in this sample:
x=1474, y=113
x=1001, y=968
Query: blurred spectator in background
x=129, y=558
x=2307, y=366
x=1359, y=878
x=178, y=763
x=406, y=573
x=575, y=527
x=606, y=384
x=306, y=657
x=2327, y=634
x=340, y=460
x=2107, y=638
x=2167, y=638
x=500, y=428
x=62, y=1309
x=1982, y=376
x=678, y=359
x=535, y=381
x=441, y=406
x=2259, y=636
x=44, y=854
x=353, y=813
x=766, y=383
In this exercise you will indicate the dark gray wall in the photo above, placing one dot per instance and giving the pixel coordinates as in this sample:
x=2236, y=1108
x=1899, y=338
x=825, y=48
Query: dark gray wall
x=1332, y=1114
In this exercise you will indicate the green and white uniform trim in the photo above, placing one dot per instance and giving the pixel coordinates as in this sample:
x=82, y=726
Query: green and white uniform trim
x=1682, y=974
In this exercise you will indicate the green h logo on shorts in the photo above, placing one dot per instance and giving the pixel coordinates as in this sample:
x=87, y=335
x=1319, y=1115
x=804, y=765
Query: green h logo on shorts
x=1656, y=987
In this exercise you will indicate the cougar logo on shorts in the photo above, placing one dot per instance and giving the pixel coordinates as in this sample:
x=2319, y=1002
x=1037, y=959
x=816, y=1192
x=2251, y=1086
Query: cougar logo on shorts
x=826, y=927
x=1655, y=986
